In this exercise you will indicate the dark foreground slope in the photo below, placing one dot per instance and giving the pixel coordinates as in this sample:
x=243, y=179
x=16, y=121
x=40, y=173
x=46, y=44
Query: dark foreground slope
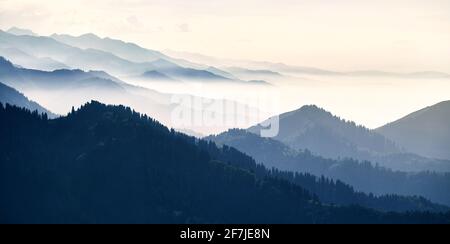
x=106, y=164
x=301, y=168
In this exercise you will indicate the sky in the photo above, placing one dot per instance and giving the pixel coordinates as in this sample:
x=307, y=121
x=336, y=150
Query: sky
x=341, y=35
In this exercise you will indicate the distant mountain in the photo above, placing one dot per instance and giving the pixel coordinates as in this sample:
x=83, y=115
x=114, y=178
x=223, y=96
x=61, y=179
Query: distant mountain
x=21, y=32
x=363, y=176
x=173, y=70
x=28, y=61
x=59, y=90
x=157, y=76
x=138, y=54
x=13, y=97
x=98, y=59
x=426, y=132
x=25, y=79
x=194, y=74
x=118, y=166
x=245, y=67
x=321, y=132
x=414, y=75
x=222, y=73
x=238, y=70
x=317, y=130
x=276, y=155
x=258, y=82
x=249, y=64
x=38, y=46
x=124, y=50
x=41, y=46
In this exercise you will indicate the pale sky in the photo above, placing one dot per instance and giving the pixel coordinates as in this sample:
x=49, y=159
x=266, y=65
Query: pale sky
x=391, y=35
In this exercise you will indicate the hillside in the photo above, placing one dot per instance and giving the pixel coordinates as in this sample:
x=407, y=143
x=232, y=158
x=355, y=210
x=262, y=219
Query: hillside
x=108, y=164
x=13, y=97
x=360, y=175
x=426, y=131
x=324, y=134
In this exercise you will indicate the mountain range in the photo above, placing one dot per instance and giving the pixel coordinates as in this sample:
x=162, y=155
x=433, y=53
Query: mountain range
x=108, y=164
x=91, y=53
x=60, y=90
x=285, y=69
x=426, y=131
x=317, y=130
x=12, y=96
x=363, y=176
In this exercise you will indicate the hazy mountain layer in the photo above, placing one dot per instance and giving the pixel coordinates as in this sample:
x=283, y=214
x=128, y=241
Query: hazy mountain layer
x=90, y=58
x=426, y=131
x=361, y=175
x=329, y=136
x=59, y=90
x=27, y=61
x=11, y=96
x=20, y=31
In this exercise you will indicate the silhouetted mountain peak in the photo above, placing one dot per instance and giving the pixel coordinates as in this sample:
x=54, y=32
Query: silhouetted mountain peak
x=316, y=129
x=425, y=131
x=94, y=111
x=312, y=109
x=20, y=31
x=311, y=113
x=90, y=36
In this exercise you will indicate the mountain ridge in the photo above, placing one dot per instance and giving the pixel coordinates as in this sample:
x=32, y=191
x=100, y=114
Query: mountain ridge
x=327, y=135
x=12, y=96
x=362, y=175
x=425, y=131
x=118, y=166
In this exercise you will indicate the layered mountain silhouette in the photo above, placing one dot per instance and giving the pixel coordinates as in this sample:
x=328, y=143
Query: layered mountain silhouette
x=360, y=175
x=21, y=32
x=130, y=51
x=250, y=65
x=64, y=78
x=92, y=53
x=156, y=76
x=62, y=89
x=108, y=164
x=11, y=96
x=317, y=130
x=28, y=61
x=173, y=70
x=254, y=72
x=133, y=52
x=240, y=67
x=426, y=131
x=414, y=75
x=59, y=90
x=125, y=50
